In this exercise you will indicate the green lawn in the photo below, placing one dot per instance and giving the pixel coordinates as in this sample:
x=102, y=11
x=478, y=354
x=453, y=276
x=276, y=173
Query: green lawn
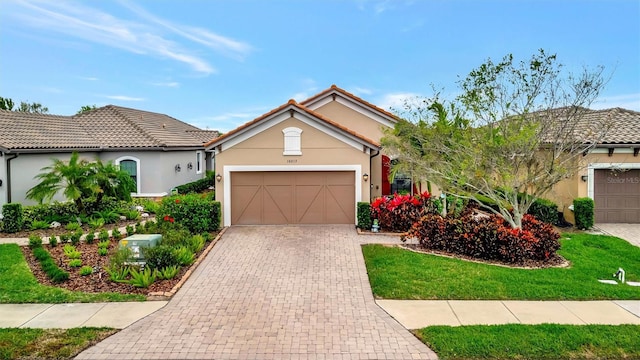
x=48, y=343
x=395, y=273
x=18, y=285
x=545, y=341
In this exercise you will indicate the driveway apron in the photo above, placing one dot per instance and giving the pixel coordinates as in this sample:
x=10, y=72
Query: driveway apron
x=271, y=292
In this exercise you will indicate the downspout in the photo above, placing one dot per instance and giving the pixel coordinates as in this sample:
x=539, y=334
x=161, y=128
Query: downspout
x=9, y=158
x=370, y=163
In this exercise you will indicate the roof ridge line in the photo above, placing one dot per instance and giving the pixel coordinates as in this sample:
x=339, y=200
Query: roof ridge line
x=135, y=125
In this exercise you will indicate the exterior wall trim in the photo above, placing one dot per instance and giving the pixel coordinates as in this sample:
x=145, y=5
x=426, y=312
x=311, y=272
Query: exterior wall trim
x=598, y=166
x=228, y=169
x=351, y=105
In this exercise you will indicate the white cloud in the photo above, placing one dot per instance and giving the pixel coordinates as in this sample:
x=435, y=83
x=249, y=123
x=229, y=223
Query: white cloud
x=299, y=96
x=167, y=84
x=625, y=101
x=396, y=101
x=361, y=91
x=89, y=78
x=124, y=98
x=142, y=37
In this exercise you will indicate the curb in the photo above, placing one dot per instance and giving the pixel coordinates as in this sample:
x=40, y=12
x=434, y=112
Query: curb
x=361, y=232
x=167, y=295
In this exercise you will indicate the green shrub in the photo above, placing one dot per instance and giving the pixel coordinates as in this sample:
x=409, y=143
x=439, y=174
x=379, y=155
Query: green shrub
x=103, y=235
x=13, y=220
x=175, y=236
x=75, y=237
x=195, y=212
x=544, y=210
x=75, y=262
x=116, y=234
x=39, y=225
x=400, y=212
x=131, y=214
x=583, y=212
x=184, y=255
x=364, y=215
x=49, y=267
x=118, y=274
x=168, y=273
x=160, y=256
x=53, y=241
x=103, y=251
x=149, y=206
x=109, y=216
x=144, y=278
x=104, y=244
x=71, y=252
x=64, y=238
x=96, y=222
x=198, y=185
x=130, y=230
x=35, y=241
x=90, y=238
x=86, y=270
x=196, y=243
x=73, y=226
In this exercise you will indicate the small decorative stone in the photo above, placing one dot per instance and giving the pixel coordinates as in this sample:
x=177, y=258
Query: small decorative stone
x=55, y=225
x=123, y=217
x=145, y=215
x=139, y=208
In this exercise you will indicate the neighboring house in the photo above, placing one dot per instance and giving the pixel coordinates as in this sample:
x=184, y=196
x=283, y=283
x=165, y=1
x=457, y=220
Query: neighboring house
x=611, y=176
x=303, y=163
x=158, y=151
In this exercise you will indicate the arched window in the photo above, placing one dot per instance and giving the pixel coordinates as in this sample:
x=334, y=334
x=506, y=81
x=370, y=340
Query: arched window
x=292, y=141
x=132, y=166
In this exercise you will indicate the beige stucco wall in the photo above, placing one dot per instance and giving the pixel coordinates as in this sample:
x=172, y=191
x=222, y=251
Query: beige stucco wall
x=364, y=126
x=318, y=149
x=565, y=191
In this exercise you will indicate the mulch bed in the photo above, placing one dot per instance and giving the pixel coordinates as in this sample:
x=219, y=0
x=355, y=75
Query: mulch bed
x=554, y=260
x=62, y=230
x=99, y=281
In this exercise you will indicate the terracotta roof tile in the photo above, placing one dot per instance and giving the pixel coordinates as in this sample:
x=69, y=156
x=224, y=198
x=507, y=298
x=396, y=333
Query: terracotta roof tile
x=349, y=95
x=108, y=127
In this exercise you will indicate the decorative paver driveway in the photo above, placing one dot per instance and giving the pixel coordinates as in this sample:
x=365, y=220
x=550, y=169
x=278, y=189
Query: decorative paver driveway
x=274, y=292
x=629, y=232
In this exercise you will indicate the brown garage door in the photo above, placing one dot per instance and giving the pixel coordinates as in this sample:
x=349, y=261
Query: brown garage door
x=617, y=196
x=280, y=197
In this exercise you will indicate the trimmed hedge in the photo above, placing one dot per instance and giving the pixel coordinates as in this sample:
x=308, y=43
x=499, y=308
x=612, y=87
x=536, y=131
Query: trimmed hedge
x=198, y=213
x=583, y=212
x=49, y=266
x=544, y=210
x=13, y=220
x=487, y=238
x=364, y=215
x=198, y=185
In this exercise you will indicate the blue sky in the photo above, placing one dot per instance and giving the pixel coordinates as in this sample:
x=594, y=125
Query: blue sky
x=217, y=64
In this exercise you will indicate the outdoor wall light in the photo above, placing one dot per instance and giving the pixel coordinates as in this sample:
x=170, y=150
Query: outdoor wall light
x=365, y=177
x=177, y=168
x=584, y=178
x=219, y=177
x=190, y=166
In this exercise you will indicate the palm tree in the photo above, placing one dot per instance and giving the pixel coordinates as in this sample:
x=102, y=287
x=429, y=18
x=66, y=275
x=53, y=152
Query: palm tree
x=112, y=181
x=75, y=179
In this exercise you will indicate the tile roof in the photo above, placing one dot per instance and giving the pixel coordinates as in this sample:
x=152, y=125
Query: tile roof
x=108, y=127
x=347, y=94
x=623, y=125
x=293, y=104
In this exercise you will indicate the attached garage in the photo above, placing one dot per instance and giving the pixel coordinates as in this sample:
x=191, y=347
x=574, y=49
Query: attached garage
x=285, y=197
x=617, y=196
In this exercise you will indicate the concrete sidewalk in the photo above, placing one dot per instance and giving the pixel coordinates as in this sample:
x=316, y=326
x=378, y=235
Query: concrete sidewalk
x=415, y=314
x=117, y=315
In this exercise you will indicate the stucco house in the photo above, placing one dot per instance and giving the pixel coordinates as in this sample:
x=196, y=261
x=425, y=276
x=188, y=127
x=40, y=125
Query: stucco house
x=611, y=172
x=159, y=152
x=303, y=163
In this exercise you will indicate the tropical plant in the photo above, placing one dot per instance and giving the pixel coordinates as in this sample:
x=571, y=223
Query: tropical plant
x=104, y=244
x=143, y=278
x=196, y=243
x=39, y=225
x=184, y=255
x=73, y=226
x=108, y=216
x=168, y=272
x=103, y=251
x=75, y=262
x=53, y=241
x=91, y=236
x=35, y=241
x=131, y=214
x=103, y=235
x=118, y=274
x=116, y=234
x=96, y=222
x=86, y=270
x=75, y=237
x=71, y=252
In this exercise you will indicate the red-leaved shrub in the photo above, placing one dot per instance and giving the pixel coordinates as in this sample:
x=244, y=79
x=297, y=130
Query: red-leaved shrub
x=487, y=238
x=399, y=212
